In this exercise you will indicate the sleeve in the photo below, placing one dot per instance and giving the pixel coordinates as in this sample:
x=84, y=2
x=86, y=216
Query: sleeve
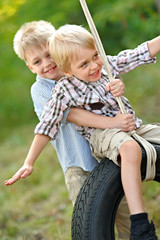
x=40, y=96
x=128, y=60
x=51, y=117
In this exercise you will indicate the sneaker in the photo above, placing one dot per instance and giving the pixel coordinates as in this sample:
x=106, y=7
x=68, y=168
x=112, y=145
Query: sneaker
x=143, y=232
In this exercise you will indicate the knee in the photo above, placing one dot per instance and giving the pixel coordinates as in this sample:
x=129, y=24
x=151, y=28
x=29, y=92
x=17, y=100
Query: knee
x=131, y=145
x=132, y=150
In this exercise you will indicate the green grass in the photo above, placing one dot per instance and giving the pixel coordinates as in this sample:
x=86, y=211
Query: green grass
x=36, y=207
x=151, y=196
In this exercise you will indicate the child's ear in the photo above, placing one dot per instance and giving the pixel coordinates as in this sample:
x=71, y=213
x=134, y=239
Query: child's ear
x=30, y=68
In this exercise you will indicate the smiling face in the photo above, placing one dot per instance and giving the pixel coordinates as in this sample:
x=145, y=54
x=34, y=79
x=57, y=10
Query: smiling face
x=86, y=65
x=40, y=62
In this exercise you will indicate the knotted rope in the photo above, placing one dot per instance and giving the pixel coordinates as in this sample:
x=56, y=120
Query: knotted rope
x=150, y=150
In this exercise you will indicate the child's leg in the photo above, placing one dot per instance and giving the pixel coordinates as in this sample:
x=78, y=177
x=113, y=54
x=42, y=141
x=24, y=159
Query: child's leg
x=109, y=143
x=131, y=156
x=122, y=220
x=74, y=179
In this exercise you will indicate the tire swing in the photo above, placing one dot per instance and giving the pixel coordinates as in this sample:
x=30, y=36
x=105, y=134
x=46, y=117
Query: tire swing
x=98, y=200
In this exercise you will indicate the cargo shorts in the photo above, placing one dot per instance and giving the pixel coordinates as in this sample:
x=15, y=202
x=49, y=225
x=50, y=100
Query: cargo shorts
x=107, y=143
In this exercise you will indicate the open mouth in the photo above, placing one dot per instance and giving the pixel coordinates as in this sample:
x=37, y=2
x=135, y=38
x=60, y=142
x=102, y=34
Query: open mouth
x=95, y=74
x=52, y=69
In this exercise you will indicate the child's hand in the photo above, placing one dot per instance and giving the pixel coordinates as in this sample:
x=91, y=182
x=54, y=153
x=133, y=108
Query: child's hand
x=23, y=172
x=125, y=122
x=116, y=87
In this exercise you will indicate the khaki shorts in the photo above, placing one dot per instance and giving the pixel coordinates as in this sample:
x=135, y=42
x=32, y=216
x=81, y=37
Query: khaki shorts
x=107, y=143
x=75, y=177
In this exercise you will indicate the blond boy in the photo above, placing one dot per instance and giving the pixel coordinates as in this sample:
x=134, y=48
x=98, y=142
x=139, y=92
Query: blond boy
x=75, y=53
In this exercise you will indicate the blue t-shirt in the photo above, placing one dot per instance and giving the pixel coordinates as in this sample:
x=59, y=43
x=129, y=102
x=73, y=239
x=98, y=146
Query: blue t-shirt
x=72, y=149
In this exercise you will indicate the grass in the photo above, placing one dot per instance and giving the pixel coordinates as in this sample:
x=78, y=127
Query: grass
x=151, y=196
x=38, y=207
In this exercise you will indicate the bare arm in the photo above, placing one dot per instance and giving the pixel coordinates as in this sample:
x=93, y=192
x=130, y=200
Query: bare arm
x=38, y=144
x=154, y=46
x=82, y=117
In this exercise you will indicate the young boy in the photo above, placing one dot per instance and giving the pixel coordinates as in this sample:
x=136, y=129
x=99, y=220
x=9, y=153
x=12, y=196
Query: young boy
x=73, y=150
x=75, y=53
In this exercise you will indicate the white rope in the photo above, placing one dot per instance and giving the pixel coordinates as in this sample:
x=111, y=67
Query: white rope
x=150, y=150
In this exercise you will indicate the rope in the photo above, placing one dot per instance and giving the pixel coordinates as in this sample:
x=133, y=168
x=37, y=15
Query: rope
x=150, y=150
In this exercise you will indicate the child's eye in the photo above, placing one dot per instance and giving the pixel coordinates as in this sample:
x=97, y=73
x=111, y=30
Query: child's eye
x=84, y=65
x=48, y=55
x=96, y=55
x=36, y=62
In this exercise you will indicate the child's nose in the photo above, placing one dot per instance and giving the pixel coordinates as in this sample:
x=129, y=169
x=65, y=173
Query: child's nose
x=46, y=62
x=93, y=65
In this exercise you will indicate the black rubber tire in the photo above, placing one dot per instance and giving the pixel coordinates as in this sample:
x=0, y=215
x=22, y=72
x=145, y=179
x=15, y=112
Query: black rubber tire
x=98, y=200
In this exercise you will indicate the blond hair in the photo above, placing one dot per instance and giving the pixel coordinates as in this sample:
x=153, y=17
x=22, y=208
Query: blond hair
x=32, y=35
x=64, y=44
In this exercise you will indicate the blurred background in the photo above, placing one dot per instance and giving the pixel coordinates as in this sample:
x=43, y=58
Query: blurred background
x=38, y=207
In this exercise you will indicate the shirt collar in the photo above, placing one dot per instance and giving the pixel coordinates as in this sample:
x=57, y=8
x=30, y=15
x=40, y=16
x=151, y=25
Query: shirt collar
x=41, y=79
x=80, y=84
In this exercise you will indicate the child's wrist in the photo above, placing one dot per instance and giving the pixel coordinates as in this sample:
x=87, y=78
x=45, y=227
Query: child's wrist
x=28, y=162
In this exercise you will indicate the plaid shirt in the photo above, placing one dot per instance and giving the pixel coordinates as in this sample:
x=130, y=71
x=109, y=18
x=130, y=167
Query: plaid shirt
x=91, y=96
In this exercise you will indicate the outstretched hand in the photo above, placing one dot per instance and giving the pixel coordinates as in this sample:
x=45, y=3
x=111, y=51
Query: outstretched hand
x=23, y=172
x=39, y=142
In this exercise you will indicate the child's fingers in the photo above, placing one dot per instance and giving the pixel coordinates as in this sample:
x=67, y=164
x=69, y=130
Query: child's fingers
x=108, y=87
x=11, y=180
x=116, y=87
x=26, y=173
x=22, y=173
x=16, y=177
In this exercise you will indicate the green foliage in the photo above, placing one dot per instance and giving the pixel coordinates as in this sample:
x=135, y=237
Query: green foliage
x=142, y=89
x=120, y=22
x=9, y=8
